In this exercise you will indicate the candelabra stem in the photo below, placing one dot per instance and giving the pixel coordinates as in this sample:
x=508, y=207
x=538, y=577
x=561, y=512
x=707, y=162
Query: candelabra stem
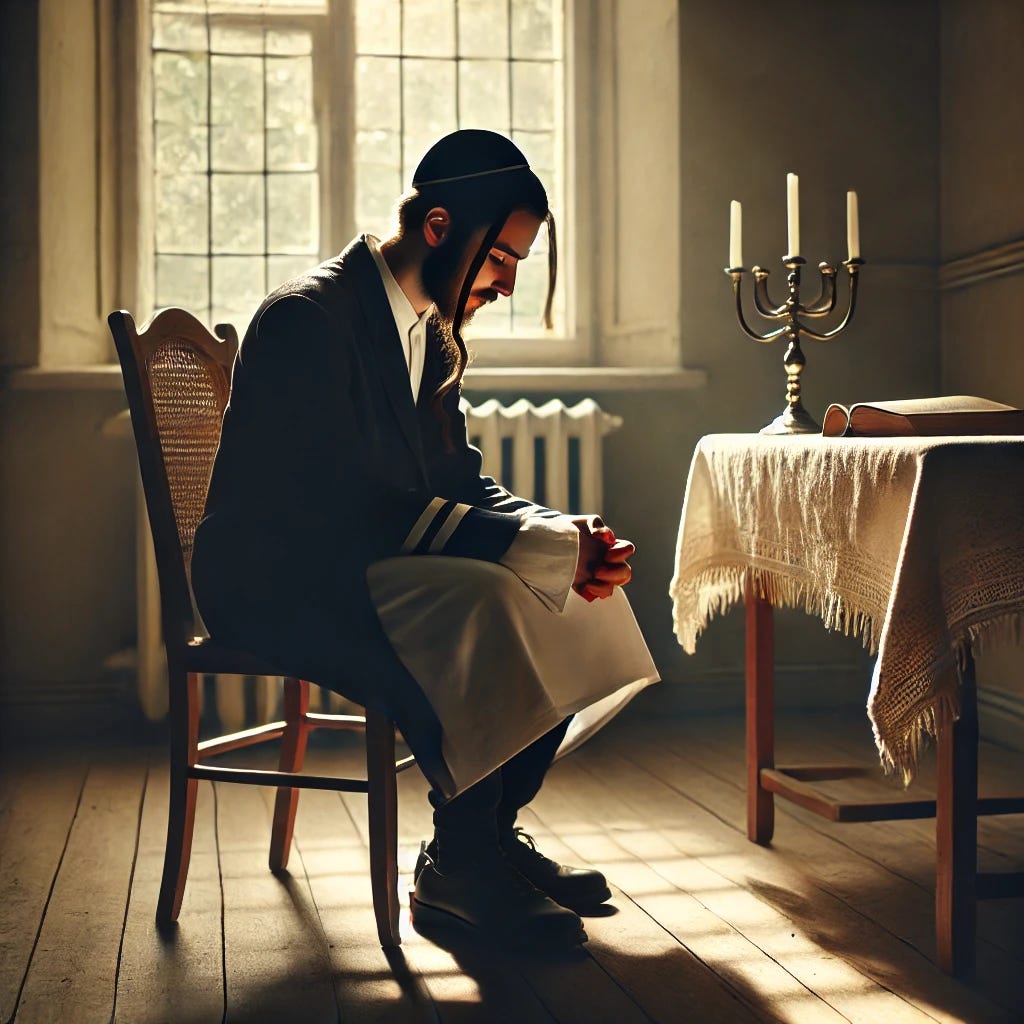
x=794, y=419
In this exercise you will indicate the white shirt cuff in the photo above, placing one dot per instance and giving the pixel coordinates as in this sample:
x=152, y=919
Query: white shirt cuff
x=544, y=555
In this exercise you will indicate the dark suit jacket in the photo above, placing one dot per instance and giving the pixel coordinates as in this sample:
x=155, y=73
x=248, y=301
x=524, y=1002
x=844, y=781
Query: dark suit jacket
x=326, y=464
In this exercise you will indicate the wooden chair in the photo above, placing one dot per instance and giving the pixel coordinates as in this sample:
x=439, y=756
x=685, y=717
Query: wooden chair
x=176, y=376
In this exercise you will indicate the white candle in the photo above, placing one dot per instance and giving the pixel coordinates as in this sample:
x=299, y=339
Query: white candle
x=852, y=226
x=735, y=234
x=793, y=213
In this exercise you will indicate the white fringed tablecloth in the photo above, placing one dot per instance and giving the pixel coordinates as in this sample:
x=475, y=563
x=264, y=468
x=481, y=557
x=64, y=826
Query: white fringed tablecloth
x=914, y=544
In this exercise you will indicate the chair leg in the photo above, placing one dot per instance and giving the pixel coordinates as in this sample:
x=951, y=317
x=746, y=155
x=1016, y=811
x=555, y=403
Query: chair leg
x=383, y=822
x=293, y=754
x=181, y=807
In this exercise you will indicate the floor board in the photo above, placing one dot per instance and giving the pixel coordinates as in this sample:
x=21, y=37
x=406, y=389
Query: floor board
x=40, y=801
x=901, y=906
x=830, y=923
x=277, y=964
x=164, y=971
x=896, y=943
x=72, y=976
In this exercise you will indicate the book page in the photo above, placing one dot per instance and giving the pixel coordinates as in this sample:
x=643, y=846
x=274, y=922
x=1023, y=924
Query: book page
x=925, y=406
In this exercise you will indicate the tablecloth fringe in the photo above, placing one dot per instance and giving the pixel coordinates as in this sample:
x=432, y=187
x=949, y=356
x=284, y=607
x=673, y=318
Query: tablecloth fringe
x=900, y=755
x=727, y=586
x=1007, y=628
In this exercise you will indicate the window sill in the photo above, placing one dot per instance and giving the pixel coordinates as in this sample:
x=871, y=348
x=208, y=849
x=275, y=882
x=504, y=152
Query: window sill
x=543, y=378
x=106, y=377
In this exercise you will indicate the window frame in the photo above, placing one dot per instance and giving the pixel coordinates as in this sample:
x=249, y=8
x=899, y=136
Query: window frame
x=605, y=327
x=334, y=53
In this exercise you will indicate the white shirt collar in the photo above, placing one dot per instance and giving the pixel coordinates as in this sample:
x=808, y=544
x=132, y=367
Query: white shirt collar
x=406, y=317
x=412, y=326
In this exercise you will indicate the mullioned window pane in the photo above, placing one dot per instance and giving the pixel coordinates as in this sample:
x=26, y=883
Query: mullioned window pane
x=377, y=187
x=183, y=281
x=484, y=94
x=533, y=95
x=180, y=83
x=293, y=220
x=428, y=91
x=378, y=26
x=186, y=32
x=483, y=28
x=284, y=268
x=238, y=213
x=230, y=37
x=180, y=148
x=181, y=213
x=239, y=285
x=428, y=28
x=533, y=29
x=378, y=93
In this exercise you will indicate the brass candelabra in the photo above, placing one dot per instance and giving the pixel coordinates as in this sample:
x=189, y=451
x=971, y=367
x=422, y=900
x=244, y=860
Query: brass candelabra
x=794, y=418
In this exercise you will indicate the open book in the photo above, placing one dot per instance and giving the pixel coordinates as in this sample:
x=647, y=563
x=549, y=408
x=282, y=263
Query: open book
x=954, y=414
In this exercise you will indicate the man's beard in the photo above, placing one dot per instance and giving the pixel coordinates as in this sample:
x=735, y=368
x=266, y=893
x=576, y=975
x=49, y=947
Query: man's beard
x=443, y=274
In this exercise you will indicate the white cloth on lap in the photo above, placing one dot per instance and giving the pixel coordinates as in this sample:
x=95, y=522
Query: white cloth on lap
x=500, y=668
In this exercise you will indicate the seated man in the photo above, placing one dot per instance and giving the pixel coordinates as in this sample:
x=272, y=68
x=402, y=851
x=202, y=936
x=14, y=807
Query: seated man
x=343, y=461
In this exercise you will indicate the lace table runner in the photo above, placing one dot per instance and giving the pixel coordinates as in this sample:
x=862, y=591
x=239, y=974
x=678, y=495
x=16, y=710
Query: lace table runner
x=914, y=544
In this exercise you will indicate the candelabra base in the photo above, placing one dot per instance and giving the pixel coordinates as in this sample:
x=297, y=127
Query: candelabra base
x=794, y=419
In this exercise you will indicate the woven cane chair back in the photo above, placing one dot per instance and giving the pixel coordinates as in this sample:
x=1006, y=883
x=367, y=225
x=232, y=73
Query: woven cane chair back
x=189, y=392
x=177, y=377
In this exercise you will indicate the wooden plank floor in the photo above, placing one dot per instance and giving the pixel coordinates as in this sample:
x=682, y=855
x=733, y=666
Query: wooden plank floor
x=832, y=923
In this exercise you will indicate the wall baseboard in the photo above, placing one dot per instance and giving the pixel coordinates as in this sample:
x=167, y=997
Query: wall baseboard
x=797, y=688
x=1001, y=713
x=1001, y=717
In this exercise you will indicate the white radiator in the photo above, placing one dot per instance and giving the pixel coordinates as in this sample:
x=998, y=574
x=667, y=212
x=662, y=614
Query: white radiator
x=550, y=454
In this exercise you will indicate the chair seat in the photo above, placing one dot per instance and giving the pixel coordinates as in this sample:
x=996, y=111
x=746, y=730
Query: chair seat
x=202, y=654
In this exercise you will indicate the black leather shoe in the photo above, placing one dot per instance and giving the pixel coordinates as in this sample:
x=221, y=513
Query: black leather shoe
x=576, y=888
x=491, y=898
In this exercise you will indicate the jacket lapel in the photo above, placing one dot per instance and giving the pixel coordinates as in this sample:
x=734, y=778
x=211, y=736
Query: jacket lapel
x=387, y=353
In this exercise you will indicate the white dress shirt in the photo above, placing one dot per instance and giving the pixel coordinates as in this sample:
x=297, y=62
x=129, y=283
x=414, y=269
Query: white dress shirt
x=544, y=552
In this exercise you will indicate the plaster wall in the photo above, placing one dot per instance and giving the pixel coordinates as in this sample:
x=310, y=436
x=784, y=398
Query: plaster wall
x=846, y=96
x=982, y=169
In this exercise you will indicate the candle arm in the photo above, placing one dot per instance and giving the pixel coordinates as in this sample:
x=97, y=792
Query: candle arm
x=826, y=335
x=826, y=300
x=771, y=336
x=762, y=302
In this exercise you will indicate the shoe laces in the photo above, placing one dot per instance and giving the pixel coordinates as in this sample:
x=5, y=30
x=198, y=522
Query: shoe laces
x=525, y=847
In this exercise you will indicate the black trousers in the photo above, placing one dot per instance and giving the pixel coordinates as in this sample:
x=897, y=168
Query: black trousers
x=488, y=808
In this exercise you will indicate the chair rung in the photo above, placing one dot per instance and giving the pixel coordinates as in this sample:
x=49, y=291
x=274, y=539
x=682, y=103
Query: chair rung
x=258, y=777
x=245, y=738
x=405, y=762
x=318, y=721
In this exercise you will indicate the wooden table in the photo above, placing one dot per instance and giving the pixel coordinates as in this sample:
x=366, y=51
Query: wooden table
x=739, y=540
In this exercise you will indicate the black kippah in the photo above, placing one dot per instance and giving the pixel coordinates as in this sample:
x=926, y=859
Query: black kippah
x=468, y=153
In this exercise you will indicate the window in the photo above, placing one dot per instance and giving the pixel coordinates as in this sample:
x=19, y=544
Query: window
x=262, y=167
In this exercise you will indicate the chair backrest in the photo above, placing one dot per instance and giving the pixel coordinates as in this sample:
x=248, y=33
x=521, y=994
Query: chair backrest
x=177, y=376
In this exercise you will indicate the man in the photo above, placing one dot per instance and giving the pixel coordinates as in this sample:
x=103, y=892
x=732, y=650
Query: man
x=343, y=460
